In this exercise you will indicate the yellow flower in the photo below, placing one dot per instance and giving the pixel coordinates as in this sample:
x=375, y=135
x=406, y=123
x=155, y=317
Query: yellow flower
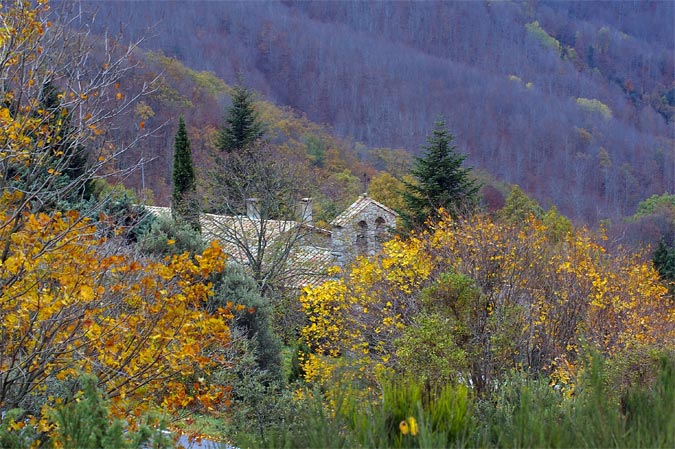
x=403, y=426
x=412, y=424
x=409, y=426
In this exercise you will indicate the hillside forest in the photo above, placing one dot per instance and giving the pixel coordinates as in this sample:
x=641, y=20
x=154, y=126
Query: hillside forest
x=572, y=101
x=525, y=297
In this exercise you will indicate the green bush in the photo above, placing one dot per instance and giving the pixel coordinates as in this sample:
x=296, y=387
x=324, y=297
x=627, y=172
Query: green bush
x=254, y=321
x=83, y=421
x=523, y=412
x=595, y=106
x=14, y=433
x=650, y=412
x=165, y=236
x=545, y=39
x=442, y=413
x=527, y=412
x=427, y=349
x=656, y=203
x=408, y=415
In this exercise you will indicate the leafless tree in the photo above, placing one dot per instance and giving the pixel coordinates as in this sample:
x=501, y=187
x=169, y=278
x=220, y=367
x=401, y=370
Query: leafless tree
x=50, y=51
x=260, y=216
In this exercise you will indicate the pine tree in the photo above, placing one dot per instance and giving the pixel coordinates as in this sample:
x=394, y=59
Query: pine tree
x=243, y=124
x=440, y=181
x=185, y=205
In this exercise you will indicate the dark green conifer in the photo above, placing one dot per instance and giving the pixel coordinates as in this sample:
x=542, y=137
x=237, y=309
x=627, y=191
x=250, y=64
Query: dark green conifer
x=440, y=181
x=255, y=321
x=185, y=206
x=243, y=124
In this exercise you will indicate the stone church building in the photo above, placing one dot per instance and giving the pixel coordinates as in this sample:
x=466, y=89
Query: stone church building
x=359, y=230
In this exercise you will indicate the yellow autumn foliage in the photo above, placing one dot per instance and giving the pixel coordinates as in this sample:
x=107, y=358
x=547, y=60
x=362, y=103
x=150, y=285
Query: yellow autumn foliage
x=360, y=316
x=68, y=307
x=71, y=300
x=543, y=289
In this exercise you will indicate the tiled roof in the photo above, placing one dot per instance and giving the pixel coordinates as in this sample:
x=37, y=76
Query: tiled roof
x=232, y=229
x=217, y=226
x=307, y=265
x=159, y=211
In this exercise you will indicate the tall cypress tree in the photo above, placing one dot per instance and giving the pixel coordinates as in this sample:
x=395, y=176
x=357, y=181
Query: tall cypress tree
x=440, y=181
x=243, y=124
x=185, y=204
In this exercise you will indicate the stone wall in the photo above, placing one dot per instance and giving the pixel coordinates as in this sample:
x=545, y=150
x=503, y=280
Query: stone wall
x=363, y=233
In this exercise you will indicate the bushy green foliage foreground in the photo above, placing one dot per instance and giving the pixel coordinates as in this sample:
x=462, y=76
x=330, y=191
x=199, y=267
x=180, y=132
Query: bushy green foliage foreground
x=83, y=421
x=524, y=411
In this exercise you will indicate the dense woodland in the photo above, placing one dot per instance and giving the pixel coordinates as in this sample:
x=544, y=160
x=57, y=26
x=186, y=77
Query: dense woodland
x=573, y=101
x=493, y=317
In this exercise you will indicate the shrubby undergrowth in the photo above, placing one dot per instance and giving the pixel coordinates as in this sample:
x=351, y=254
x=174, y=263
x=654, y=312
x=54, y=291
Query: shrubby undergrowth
x=523, y=411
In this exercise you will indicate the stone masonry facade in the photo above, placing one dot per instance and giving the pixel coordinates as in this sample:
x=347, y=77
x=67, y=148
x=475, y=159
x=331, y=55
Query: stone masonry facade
x=361, y=229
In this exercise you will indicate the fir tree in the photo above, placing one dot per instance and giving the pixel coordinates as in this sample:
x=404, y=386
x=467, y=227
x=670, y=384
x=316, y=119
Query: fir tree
x=243, y=124
x=440, y=181
x=185, y=206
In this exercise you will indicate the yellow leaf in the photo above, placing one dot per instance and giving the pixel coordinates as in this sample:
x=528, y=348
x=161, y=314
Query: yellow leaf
x=87, y=293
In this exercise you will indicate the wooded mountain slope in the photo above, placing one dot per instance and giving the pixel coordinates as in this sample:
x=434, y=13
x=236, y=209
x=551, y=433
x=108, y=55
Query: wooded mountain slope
x=574, y=101
x=333, y=175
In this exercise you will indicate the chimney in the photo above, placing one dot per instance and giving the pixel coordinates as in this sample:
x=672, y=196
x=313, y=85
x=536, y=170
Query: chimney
x=252, y=211
x=304, y=210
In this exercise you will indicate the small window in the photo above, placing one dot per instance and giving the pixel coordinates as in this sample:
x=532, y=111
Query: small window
x=362, y=238
x=380, y=229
